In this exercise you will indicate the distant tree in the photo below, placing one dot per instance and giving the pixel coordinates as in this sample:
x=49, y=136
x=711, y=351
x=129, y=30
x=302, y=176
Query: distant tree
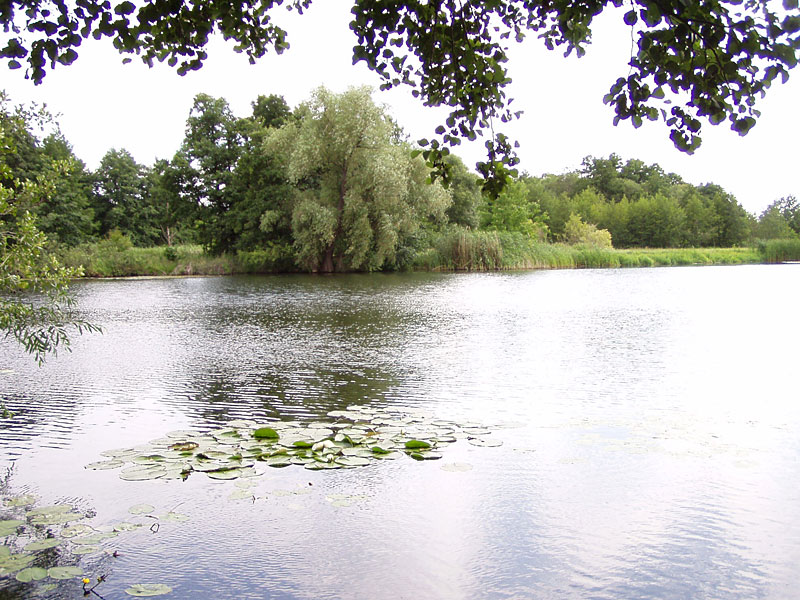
x=513, y=210
x=465, y=191
x=170, y=198
x=212, y=145
x=360, y=192
x=656, y=222
x=731, y=225
x=789, y=208
x=121, y=198
x=260, y=210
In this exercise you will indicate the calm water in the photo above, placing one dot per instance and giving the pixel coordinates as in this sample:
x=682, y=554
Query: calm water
x=650, y=420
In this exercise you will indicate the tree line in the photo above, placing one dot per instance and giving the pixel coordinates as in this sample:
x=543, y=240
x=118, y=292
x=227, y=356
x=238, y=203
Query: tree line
x=334, y=185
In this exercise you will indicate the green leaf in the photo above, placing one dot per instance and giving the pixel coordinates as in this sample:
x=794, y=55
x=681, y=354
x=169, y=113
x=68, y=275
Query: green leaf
x=148, y=589
x=31, y=574
x=265, y=433
x=417, y=445
x=64, y=572
x=42, y=544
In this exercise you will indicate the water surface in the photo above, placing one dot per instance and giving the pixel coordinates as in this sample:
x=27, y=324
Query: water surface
x=650, y=423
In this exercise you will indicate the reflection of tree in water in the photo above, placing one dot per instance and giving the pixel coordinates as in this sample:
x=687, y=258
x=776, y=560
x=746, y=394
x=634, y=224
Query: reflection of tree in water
x=278, y=394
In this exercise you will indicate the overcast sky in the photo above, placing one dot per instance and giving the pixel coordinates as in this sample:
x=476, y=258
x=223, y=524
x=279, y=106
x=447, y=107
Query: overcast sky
x=104, y=104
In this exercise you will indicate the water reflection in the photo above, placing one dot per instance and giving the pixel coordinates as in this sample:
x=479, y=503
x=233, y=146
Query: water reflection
x=657, y=457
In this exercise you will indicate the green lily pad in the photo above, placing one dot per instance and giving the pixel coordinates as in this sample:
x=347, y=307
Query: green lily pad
x=55, y=509
x=125, y=526
x=93, y=538
x=42, y=544
x=265, y=433
x=9, y=526
x=75, y=530
x=353, y=461
x=141, y=509
x=142, y=473
x=15, y=562
x=103, y=465
x=174, y=517
x=64, y=572
x=24, y=500
x=57, y=519
x=148, y=589
x=241, y=494
x=86, y=550
x=417, y=445
x=31, y=574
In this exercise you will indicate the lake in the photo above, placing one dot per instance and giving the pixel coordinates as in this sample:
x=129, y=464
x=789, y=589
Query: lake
x=649, y=420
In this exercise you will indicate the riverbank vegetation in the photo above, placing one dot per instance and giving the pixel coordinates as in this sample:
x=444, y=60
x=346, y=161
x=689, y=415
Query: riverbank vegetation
x=333, y=185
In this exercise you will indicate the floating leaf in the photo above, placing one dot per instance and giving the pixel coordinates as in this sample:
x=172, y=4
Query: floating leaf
x=184, y=446
x=125, y=526
x=42, y=544
x=15, y=562
x=50, y=510
x=456, y=467
x=31, y=574
x=417, y=445
x=57, y=519
x=86, y=549
x=92, y=539
x=64, y=572
x=142, y=473
x=174, y=517
x=148, y=589
x=353, y=461
x=74, y=530
x=241, y=494
x=141, y=509
x=9, y=526
x=104, y=465
x=24, y=500
x=265, y=433
x=485, y=442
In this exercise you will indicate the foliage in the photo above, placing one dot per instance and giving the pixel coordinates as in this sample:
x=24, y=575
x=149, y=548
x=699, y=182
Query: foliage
x=358, y=192
x=576, y=232
x=35, y=305
x=707, y=61
x=512, y=210
x=780, y=250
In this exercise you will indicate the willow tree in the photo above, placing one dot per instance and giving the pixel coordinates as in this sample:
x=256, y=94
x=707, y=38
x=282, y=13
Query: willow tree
x=359, y=192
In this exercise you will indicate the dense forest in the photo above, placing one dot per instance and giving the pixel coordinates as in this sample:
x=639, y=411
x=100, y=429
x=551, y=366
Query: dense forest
x=334, y=185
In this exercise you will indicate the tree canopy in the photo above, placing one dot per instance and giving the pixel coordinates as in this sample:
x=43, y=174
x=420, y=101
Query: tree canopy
x=692, y=62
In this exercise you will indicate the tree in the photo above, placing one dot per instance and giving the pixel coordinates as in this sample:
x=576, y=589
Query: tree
x=693, y=61
x=122, y=200
x=213, y=145
x=35, y=305
x=359, y=191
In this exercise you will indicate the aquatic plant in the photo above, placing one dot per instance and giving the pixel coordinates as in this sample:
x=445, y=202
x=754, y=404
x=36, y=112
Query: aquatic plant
x=357, y=437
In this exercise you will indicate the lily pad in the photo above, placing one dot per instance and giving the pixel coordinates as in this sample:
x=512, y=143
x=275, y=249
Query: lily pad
x=417, y=445
x=148, y=589
x=42, y=544
x=485, y=442
x=64, y=572
x=75, y=530
x=15, y=562
x=141, y=509
x=103, y=465
x=86, y=550
x=31, y=574
x=57, y=519
x=50, y=510
x=142, y=473
x=125, y=526
x=9, y=526
x=174, y=517
x=24, y=500
x=265, y=433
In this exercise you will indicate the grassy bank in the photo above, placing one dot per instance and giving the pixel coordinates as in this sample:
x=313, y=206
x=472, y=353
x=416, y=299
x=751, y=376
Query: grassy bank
x=477, y=251
x=454, y=251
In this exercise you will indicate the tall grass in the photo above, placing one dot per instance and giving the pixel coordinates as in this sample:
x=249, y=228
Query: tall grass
x=103, y=260
x=774, y=251
x=469, y=251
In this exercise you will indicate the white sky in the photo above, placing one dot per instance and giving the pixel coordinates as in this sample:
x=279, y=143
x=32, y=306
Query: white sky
x=105, y=104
